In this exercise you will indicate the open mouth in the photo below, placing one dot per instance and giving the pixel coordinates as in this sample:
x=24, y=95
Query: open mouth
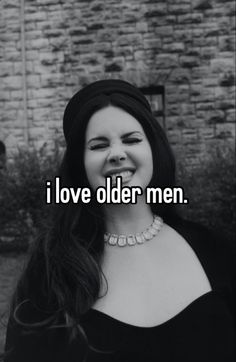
x=125, y=176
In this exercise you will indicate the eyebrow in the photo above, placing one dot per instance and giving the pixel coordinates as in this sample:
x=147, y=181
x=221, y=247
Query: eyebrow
x=102, y=138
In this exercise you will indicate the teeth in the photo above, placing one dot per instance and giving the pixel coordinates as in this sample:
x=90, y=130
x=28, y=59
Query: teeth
x=125, y=175
x=122, y=174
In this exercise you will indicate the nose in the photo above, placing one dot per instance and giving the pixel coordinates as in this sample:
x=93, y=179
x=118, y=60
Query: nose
x=117, y=154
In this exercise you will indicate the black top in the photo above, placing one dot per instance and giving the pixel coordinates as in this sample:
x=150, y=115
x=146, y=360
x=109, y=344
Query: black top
x=203, y=332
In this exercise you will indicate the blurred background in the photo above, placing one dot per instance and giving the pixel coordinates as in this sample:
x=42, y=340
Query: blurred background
x=180, y=53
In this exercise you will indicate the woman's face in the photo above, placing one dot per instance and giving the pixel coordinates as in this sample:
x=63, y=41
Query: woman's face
x=116, y=145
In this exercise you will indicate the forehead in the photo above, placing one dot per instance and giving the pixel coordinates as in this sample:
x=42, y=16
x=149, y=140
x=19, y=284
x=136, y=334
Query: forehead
x=112, y=120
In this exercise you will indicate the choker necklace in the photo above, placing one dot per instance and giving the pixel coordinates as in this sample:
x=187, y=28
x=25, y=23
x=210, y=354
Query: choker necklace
x=132, y=239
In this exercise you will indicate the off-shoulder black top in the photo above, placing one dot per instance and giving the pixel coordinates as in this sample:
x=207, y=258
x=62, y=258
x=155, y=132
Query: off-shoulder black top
x=203, y=332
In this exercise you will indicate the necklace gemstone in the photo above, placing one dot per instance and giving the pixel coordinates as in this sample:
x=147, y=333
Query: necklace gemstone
x=133, y=239
x=121, y=240
x=139, y=238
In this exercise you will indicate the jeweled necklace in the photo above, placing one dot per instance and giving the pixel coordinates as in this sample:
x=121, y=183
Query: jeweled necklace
x=132, y=239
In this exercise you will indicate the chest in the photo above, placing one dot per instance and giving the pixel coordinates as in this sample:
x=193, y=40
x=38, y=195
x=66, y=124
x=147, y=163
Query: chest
x=155, y=285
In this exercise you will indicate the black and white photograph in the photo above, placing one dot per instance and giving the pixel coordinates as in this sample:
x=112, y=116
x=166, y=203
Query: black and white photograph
x=117, y=181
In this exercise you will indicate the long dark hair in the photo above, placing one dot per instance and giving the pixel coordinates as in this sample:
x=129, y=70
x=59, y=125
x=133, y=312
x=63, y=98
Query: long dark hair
x=63, y=277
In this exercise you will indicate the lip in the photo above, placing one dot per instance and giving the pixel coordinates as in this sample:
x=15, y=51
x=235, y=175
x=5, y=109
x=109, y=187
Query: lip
x=118, y=170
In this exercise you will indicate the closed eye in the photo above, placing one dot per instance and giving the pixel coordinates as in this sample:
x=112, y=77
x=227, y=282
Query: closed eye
x=98, y=146
x=132, y=140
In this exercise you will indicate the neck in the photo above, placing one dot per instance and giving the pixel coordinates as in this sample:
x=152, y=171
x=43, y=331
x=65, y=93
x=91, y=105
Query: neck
x=127, y=219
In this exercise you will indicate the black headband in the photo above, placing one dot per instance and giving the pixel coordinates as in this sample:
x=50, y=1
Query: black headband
x=102, y=87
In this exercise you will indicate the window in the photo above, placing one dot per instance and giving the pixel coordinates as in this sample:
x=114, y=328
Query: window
x=156, y=97
x=2, y=156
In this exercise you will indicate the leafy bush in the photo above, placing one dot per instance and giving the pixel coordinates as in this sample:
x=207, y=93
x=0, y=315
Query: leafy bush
x=22, y=193
x=210, y=188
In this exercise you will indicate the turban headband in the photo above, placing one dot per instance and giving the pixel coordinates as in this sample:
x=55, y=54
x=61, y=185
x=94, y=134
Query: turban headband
x=106, y=87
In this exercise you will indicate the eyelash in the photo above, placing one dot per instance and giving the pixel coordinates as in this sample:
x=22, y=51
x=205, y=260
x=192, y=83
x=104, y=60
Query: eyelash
x=103, y=145
x=97, y=147
x=133, y=140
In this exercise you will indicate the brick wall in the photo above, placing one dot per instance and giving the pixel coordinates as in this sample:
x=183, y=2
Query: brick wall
x=50, y=48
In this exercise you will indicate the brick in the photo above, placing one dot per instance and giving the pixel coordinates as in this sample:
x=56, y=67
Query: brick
x=54, y=33
x=227, y=79
x=190, y=18
x=204, y=106
x=179, y=9
x=166, y=60
x=42, y=93
x=6, y=70
x=17, y=68
x=174, y=137
x=187, y=108
x=224, y=131
x=180, y=75
x=126, y=30
x=116, y=66
x=214, y=117
x=40, y=115
x=203, y=97
x=54, y=80
x=174, y=47
x=189, y=61
x=32, y=54
x=34, y=34
x=11, y=37
x=200, y=72
x=174, y=122
x=105, y=36
x=173, y=109
x=139, y=55
x=77, y=31
x=142, y=27
x=10, y=14
x=12, y=4
x=165, y=30
x=15, y=94
x=178, y=98
x=206, y=132
x=36, y=16
x=230, y=115
x=203, y=41
x=13, y=82
x=225, y=104
x=12, y=56
x=159, y=9
x=209, y=52
x=212, y=32
x=5, y=95
x=226, y=43
x=220, y=64
x=33, y=80
x=152, y=43
x=130, y=39
x=180, y=35
x=202, y=5
x=37, y=43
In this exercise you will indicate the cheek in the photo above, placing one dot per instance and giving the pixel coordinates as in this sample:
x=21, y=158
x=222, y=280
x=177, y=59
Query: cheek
x=145, y=157
x=93, y=168
x=88, y=165
x=147, y=164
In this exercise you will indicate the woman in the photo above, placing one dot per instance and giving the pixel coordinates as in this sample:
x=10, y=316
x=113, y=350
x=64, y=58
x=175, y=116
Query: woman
x=121, y=282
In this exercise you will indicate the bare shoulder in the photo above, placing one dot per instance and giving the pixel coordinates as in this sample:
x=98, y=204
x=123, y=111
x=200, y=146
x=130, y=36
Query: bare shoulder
x=212, y=247
x=148, y=285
